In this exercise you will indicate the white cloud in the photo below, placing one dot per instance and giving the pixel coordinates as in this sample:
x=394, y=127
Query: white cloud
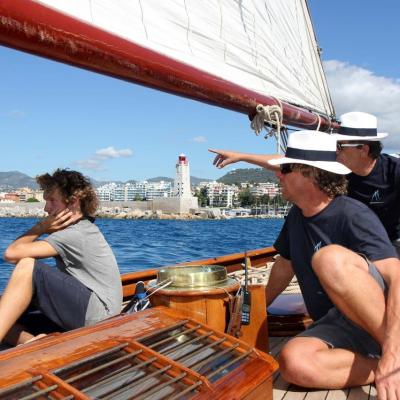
x=16, y=114
x=95, y=162
x=110, y=152
x=354, y=88
x=94, y=165
x=199, y=139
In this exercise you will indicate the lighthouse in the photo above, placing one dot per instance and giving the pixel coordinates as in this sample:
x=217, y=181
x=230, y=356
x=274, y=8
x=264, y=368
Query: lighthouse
x=182, y=178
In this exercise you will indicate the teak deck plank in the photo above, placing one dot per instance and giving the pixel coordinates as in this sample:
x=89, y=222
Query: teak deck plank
x=284, y=391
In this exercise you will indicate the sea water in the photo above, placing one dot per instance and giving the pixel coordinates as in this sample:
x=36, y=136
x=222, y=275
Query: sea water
x=143, y=244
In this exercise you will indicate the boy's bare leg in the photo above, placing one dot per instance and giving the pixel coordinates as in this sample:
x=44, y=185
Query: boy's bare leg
x=17, y=335
x=17, y=295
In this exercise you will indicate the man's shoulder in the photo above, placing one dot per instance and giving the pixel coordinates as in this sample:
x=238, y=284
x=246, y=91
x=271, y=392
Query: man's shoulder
x=389, y=161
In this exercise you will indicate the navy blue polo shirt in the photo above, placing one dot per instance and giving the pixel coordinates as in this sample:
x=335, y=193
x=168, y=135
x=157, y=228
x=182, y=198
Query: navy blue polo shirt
x=380, y=191
x=345, y=222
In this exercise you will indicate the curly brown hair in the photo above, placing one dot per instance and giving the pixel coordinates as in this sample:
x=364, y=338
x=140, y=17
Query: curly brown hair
x=331, y=184
x=71, y=184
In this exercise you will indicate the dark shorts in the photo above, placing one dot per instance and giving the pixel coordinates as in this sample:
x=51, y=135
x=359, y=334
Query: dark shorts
x=60, y=297
x=337, y=331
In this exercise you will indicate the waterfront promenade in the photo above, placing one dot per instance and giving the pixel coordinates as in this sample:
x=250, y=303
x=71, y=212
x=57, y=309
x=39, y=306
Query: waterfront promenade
x=120, y=210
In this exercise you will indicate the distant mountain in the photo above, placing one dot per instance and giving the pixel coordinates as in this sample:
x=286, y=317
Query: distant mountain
x=195, y=181
x=160, y=178
x=15, y=179
x=251, y=175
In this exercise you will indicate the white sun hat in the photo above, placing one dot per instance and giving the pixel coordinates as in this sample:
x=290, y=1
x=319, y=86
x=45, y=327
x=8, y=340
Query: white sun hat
x=313, y=148
x=359, y=126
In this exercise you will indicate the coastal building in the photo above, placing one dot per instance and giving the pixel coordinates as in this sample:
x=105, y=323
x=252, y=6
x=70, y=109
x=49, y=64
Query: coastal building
x=182, y=178
x=157, y=195
x=270, y=189
x=182, y=200
x=220, y=194
x=134, y=191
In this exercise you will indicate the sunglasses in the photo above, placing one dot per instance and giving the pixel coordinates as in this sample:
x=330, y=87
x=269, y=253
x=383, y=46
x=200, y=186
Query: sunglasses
x=341, y=146
x=286, y=168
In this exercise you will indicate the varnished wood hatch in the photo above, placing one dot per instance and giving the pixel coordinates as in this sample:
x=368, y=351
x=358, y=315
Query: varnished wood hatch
x=153, y=354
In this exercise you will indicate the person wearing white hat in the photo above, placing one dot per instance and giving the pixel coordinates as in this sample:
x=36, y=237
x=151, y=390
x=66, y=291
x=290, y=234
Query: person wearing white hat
x=345, y=266
x=375, y=177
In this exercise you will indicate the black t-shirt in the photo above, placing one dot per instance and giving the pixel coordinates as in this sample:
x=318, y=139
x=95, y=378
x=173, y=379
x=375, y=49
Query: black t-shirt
x=380, y=191
x=345, y=222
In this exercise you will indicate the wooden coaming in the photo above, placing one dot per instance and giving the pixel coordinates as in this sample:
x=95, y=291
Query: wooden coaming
x=232, y=262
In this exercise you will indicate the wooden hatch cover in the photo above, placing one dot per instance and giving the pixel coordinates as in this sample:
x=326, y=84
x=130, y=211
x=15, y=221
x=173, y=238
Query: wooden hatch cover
x=153, y=354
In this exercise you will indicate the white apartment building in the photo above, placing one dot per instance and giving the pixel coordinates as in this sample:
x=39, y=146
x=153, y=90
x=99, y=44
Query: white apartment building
x=221, y=195
x=270, y=189
x=134, y=191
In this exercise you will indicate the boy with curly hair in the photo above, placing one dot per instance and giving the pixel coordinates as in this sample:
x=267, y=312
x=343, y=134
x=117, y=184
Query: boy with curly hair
x=84, y=287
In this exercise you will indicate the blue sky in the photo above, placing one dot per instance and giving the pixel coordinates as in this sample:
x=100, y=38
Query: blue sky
x=52, y=115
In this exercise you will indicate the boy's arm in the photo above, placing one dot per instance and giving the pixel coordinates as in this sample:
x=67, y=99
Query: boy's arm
x=27, y=244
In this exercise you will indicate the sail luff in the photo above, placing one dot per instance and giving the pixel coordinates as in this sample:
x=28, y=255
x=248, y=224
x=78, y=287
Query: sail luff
x=32, y=27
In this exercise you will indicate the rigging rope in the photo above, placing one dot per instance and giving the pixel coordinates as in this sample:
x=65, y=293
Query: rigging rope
x=270, y=118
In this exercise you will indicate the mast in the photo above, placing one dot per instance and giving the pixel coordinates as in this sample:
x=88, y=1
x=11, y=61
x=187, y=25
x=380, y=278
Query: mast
x=34, y=28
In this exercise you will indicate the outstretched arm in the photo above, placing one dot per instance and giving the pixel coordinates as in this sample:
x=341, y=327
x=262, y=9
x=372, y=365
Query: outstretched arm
x=281, y=275
x=27, y=244
x=226, y=157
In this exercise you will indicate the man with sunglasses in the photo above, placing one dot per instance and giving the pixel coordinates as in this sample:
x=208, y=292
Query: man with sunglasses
x=375, y=177
x=348, y=274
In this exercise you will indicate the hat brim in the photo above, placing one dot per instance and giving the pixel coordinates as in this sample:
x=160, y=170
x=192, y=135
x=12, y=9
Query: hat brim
x=331, y=166
x=376, y=138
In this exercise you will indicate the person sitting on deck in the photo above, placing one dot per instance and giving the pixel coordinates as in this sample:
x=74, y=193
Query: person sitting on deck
x=84, y=287
x=375, y=177
x=347, y=271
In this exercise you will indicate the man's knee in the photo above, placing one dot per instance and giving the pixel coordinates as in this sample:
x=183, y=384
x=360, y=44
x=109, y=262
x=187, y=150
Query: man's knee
x=296, y=363
x=332, y=263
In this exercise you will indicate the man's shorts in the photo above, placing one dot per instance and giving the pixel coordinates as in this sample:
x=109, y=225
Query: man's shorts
x=337, y=331
x=59, y=296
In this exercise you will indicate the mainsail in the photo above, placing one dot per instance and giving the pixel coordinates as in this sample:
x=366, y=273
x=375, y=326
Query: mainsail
x=234, y=54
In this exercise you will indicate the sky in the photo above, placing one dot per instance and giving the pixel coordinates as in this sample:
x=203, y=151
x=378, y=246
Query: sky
x=53, y=115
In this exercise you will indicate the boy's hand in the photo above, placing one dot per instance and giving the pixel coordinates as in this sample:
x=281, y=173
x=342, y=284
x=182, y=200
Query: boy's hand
x=59, y=221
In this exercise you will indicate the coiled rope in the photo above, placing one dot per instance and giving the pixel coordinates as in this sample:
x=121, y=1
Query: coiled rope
x=270, y=118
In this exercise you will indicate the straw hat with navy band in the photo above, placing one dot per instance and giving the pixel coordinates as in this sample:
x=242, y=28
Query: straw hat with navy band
x=359, y=126
x=313, y=148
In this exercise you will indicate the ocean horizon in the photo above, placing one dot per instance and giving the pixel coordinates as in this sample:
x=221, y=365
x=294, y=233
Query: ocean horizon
x=145, y=244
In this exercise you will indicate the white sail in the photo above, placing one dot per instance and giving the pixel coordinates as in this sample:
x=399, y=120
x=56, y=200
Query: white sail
x=267, y=46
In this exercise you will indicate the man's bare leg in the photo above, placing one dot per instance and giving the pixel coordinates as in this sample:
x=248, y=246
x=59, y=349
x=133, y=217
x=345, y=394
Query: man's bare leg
x=309, y=362
x=344, y=276
x=17, y=295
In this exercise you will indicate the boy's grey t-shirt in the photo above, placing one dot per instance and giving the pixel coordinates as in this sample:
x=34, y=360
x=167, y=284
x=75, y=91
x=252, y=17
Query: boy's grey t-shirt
x=86, y=255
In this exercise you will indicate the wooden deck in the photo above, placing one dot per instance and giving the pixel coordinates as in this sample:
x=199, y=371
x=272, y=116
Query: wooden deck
x=286, y=391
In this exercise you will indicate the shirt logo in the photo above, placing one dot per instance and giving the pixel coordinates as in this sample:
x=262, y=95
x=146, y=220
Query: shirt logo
x=376, y=198
x=317, y=246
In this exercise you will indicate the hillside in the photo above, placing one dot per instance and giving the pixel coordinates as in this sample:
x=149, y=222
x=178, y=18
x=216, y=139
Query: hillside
x=16, y=179
x=251, y=175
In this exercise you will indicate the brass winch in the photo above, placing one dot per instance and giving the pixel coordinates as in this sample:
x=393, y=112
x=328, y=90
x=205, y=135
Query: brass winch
x=194, y=277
